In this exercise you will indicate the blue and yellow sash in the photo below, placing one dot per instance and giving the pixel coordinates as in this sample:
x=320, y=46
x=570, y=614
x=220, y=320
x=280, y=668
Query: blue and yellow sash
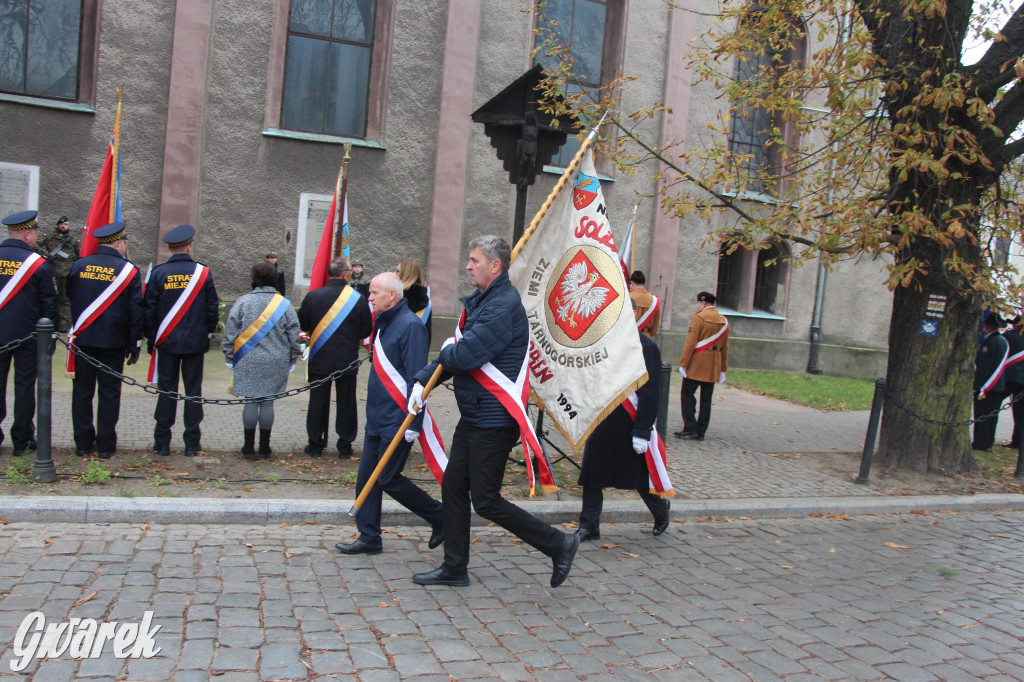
x=342, y=306
x=251, y=337
x=424, y=314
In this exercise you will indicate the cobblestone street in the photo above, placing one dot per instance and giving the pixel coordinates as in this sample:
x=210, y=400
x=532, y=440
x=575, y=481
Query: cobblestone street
x=928, y=596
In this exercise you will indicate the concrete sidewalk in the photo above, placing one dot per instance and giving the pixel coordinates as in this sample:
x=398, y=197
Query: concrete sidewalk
x=731, y=473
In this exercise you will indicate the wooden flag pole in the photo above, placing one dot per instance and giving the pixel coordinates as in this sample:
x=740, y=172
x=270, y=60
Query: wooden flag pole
x=339, y=206
x=546, y=206
x=115, y=153
x=399, y=435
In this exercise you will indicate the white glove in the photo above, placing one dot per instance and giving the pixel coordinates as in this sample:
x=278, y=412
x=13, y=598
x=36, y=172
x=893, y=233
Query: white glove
x=447, y=342
x=416, y=398
x=639, y=445
x=721, y=377
x=411, y=435
x=292, y=368
x=229, y=365
x=683, y=372
x=305, y=352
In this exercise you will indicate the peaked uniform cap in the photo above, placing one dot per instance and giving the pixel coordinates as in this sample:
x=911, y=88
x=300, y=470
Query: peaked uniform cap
x=25, y=220
x=180, y=236
x=109, y=234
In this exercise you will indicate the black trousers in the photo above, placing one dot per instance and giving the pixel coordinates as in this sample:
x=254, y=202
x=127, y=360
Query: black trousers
x=23, y=429
x=87, y=379
x=593, y=501
x=476, y=466
x=168, y=368
x=691, y=421
x=985, y=431
x=392, y=482
x=346, y=419
x=1016, y=391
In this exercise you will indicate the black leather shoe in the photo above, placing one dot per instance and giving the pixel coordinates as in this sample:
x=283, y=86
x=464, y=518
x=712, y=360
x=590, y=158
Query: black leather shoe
x=561, y=563
x=162, y=450
x=313, y=451
x=359, y=547
x=192, y=451
x=685, y=434
x=588, y=534
x=345, y=452
x=441, y=576
x=106, y=455
x=436, y=537
x=661, y=525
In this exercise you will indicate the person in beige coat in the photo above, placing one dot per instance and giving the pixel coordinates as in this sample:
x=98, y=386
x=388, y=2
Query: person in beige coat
x=643, y=300
x=705, y=360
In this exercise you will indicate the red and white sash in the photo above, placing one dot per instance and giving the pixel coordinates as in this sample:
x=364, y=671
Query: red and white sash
x=93, y=311
x=513, y=397
x=430, y=436
x=177, y=311
x=710, y=341
x=657, y=461
x=20, y=278
x=997, y=374
x=649, y=313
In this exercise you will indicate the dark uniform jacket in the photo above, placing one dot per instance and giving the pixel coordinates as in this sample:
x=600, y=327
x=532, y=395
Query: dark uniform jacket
x=343, y=347
x=192, y=334
x=496, y=331
x=404, y=342
x=609, y=460
x=989, y=362
x=1014, y=374
x=120, y=325
x=36, y=299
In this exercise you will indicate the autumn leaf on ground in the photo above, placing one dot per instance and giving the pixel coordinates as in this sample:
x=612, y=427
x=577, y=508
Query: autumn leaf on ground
x=144, y=526
x=385, y=605
x=608, y=546
x=85, y=599
x=785, y=566
x=895, y=546
x=630, y=554
x=286, y=524
x=308, y=523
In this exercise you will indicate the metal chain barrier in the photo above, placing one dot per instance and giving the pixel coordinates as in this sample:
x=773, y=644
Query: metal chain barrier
x=151, y=389
x=963, y=422
x=14, y=344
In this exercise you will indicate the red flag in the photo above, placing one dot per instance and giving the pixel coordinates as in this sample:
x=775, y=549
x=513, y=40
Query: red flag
x=325, y=251
x=99, y=213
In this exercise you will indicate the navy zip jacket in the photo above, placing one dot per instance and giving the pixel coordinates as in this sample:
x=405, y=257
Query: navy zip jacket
x=496, y=331
x=342, y=349
x=404, y=341
x=192, y=334
x=120, y=325
x=36, y=299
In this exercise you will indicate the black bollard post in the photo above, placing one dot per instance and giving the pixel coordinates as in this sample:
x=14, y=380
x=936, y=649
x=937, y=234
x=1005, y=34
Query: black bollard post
x=869, y=439
x=43, y=470
x=666, y=387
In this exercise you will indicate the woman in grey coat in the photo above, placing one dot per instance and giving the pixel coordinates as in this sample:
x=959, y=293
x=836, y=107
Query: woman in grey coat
x=261, y=369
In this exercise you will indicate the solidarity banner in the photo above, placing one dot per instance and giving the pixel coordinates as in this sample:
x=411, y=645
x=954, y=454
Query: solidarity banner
x=585, y=355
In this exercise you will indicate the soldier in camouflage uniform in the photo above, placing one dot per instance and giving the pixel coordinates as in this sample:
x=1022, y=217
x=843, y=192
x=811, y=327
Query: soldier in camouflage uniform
x=61, y=247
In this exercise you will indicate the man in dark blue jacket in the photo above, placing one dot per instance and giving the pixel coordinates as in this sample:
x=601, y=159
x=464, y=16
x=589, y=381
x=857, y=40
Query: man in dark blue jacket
x=494, y=332
x=30, y=296
x=989, y=386
x=399, y=349
x=335, y=347
x=179, y=335
x=108, y=284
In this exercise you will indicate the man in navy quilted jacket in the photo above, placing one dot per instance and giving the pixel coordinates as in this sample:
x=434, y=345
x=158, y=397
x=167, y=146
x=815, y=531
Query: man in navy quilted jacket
x=495, y=338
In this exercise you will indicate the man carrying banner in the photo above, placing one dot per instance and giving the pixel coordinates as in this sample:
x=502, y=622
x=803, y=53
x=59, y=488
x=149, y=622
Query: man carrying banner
x=704, y=361
x=625, y=452
x=337, y=318
x=648, y=306
x=399, y=349
x=106, y=311
x=486, y=363
x=26, y=294
x=180, y=313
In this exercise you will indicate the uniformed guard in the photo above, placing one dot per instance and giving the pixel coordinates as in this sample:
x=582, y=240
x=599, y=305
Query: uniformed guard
x=26, y=294
x=647, y=306
x=180, y=314
x=61, y=247
x=106, y=307
x=704, y=361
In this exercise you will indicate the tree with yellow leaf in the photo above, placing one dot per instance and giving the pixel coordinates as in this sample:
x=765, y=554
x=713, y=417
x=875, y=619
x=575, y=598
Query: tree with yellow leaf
x=853, y=127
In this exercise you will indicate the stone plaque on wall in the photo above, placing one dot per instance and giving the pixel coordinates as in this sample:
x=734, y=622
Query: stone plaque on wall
x=19, y=190
x=313, y=210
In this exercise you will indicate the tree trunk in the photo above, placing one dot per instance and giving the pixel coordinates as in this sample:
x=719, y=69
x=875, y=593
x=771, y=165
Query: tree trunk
x=932, y=376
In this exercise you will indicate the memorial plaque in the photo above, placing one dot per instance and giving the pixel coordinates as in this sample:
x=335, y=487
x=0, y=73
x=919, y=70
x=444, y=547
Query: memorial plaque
x=313, y=209
x=19, y=190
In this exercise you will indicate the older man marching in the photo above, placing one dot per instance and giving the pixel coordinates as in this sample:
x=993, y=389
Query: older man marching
x=495, y=337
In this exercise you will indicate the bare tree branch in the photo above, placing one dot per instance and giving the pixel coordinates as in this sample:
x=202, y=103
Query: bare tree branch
x=992, y=72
